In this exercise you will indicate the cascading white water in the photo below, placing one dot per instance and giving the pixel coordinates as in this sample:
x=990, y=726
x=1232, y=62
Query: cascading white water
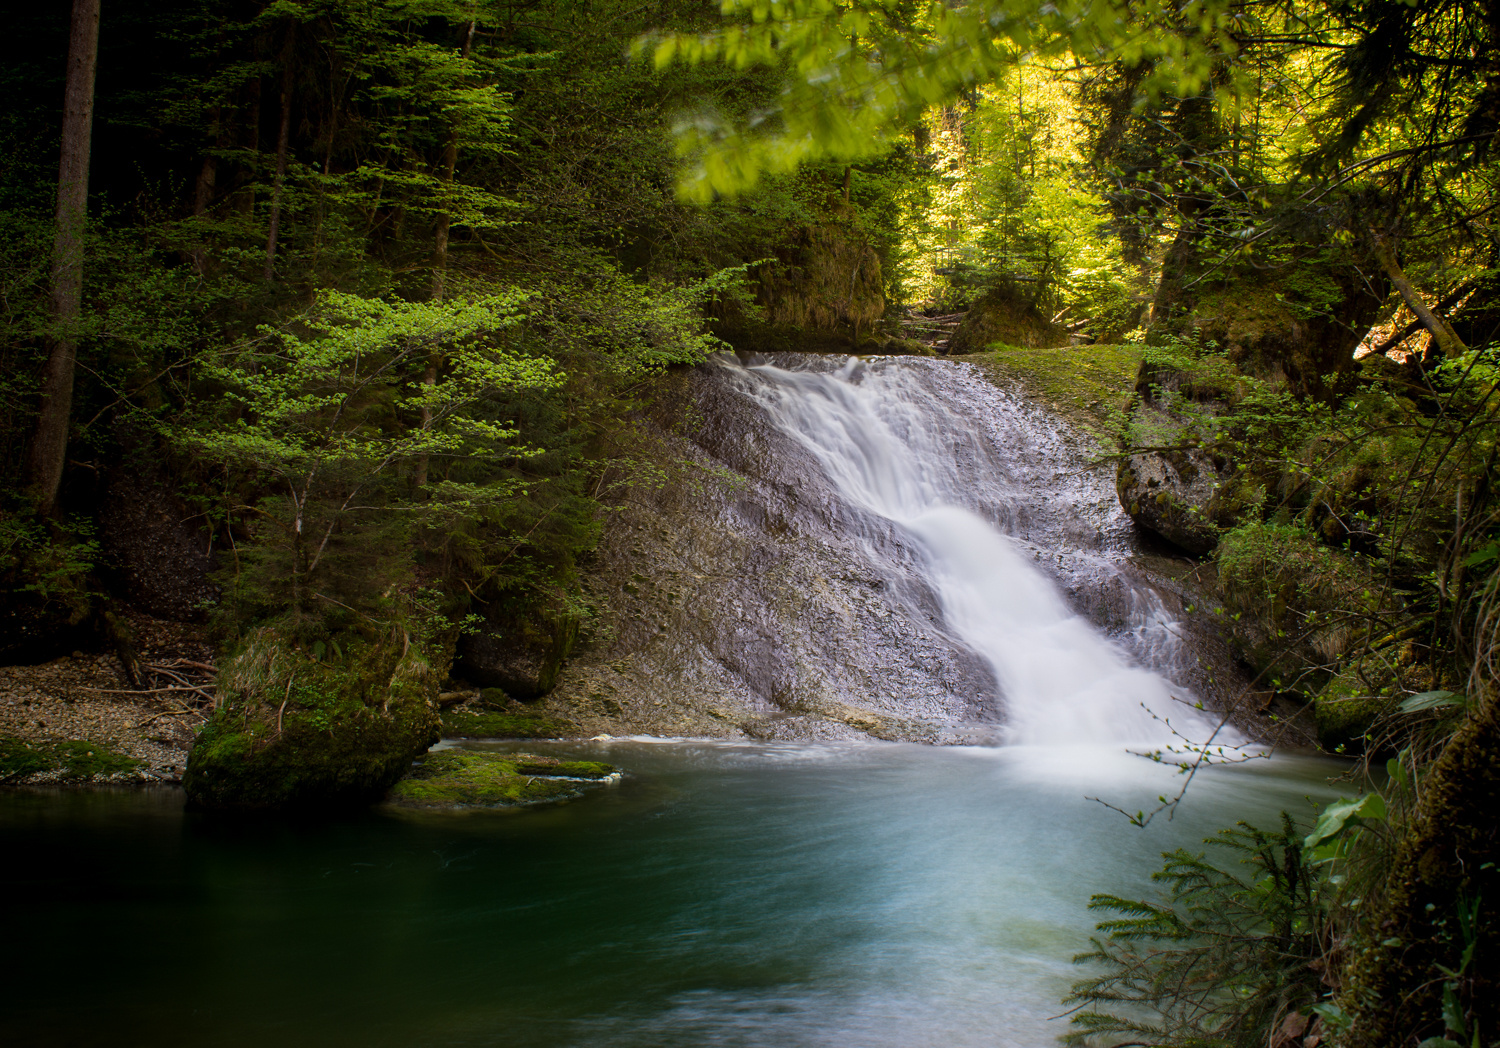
x=887, y=443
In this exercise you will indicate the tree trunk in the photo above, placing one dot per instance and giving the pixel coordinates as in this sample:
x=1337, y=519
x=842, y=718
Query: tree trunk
x=1393, y=987
x=204, y=187
x=283, y=134
x=1198, y=129
x=49, y=445
x=440, y=268
x=248, y=136
x=1444, y=337
x=445, y=221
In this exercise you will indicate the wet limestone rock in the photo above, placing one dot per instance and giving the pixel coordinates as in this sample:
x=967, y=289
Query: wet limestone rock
x=1344, y=721
x=292, y=731
x=522, y=655
x=1188, y=493
x=457, y=778
x=1173, y=494
x=1190, y=498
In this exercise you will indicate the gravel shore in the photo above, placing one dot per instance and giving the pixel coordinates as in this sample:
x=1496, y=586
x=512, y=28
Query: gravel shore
x=84, y=707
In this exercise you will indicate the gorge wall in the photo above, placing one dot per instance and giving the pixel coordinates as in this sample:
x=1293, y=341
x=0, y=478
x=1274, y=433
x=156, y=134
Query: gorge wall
x=752, y=595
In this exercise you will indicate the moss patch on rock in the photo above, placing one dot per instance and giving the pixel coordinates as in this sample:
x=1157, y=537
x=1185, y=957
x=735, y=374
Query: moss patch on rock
x=1090, y=384
x=1344, y=721
x=489, y=724
x=1004, y=314
x=533, y=765
x=77, y=760
x=468, y=779
x=294, y=731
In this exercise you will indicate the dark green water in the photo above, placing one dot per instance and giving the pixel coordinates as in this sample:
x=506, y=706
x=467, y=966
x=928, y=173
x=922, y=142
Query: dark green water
x=721, y=895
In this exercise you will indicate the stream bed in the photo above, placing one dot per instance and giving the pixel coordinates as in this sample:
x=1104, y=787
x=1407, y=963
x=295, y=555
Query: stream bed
x=735, y=894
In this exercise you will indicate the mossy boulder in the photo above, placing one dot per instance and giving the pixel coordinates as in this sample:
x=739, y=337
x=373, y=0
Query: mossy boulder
x=826, y=278
x=457, y=778
x=1184, y=488
x=1005, y=314
x=1187, y=495
x=464, y=722
x=878, y=346
x=1345, y=720
x=293, y=731
x=1297, y=323
x=1088, y=384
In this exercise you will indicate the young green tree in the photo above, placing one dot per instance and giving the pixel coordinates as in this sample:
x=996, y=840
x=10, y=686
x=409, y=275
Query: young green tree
x=329, y=421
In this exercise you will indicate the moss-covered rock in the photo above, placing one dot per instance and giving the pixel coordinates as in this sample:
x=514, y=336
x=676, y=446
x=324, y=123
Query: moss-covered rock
x=879, y=346
x=1005, y=314
x=463, y=722
x=1088, y=384
x=76, y=760
x=292, y=731
x=468, y=779
x=527, y=764
x=1344, y=721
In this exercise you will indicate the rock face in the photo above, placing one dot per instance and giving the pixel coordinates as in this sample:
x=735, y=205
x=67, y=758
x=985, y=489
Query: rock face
x=156, y=550
x=1191, y=494
x=747, y=597
x=521, y=657
x=744, y=600
x=1173, y=494
x=293, y=732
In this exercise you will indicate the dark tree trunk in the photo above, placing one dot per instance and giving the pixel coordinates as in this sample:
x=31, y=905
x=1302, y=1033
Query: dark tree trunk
x=49, y=445
x=1198, y=132
x=248, y=137
x=204, y=187
x=1449, y=345
x=1394, y=985
x=283, y=135
x=440, y=267
x=445, y=221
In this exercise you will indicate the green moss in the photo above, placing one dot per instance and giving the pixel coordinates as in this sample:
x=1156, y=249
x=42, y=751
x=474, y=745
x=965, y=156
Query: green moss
x=295, y=732
x=568, y=769
x=489, y=725
x=84, y=760
x=1083, y=382
x=74, y=760
x=464, y=778
x=1344, y=720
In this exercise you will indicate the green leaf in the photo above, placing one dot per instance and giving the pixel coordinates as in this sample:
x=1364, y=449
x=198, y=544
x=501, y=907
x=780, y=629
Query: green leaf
x=1453, y=1012
x=1483, y=555
x=1431, y=700
x=1334, y=817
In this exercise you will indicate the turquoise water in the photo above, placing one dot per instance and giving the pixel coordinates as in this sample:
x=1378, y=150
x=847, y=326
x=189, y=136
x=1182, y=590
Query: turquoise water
x=737, y=895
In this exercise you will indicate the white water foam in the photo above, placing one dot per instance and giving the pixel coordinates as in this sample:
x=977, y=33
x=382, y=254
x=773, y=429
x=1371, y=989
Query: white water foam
x=888, y=444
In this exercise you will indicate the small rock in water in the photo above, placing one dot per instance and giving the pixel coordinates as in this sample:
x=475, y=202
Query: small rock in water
x=456, y=779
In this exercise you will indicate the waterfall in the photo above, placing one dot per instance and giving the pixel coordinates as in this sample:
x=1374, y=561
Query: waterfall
x=889, y=443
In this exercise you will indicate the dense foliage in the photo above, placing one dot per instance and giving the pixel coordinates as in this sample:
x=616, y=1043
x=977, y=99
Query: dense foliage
x=369, y=297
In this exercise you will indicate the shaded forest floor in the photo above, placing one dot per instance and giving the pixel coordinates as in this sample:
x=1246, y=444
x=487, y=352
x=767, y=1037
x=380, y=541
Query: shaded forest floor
x=79, y=719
